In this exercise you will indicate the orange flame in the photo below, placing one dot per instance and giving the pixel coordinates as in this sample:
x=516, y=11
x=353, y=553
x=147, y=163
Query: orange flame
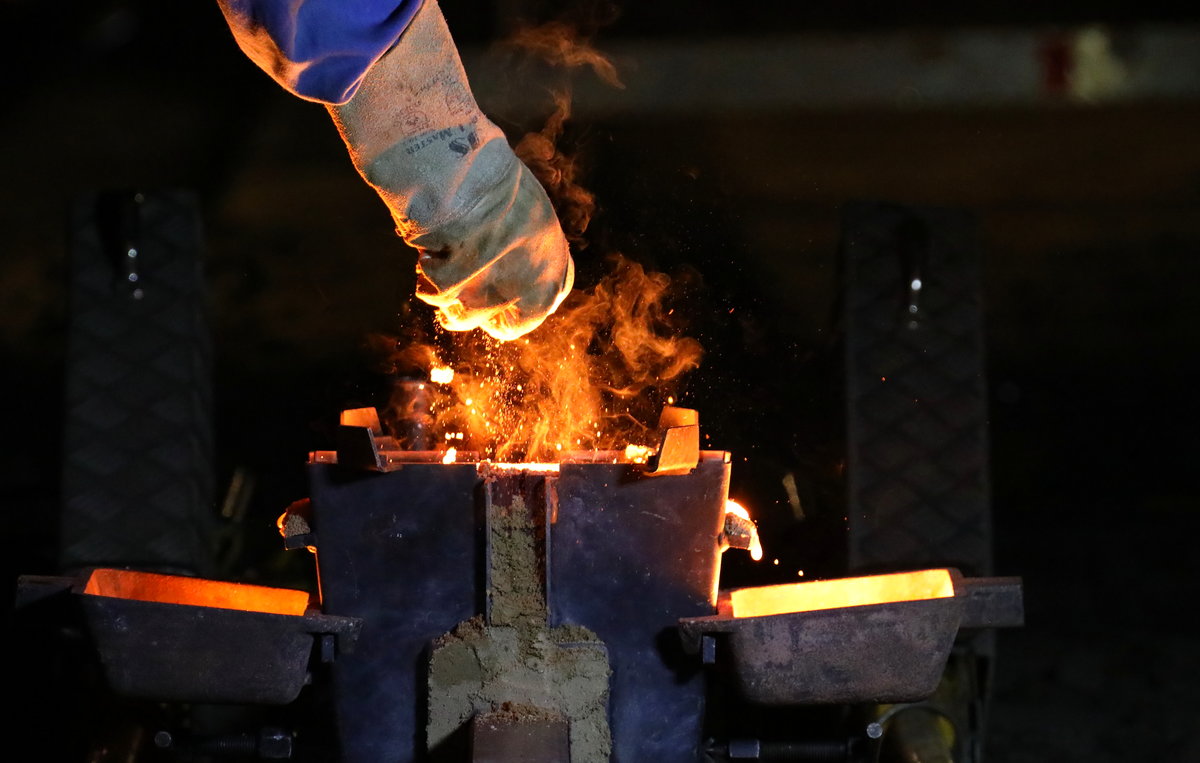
x=586, y=380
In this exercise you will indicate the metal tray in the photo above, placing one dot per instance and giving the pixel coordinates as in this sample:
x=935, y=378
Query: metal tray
x=870, y=651
x=173, y=638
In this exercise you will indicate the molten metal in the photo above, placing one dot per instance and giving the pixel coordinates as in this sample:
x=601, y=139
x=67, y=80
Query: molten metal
x=171, y=589
x=847, y=592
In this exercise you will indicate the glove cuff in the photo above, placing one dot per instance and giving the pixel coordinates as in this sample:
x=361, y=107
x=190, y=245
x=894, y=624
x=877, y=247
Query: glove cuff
x=416, y=134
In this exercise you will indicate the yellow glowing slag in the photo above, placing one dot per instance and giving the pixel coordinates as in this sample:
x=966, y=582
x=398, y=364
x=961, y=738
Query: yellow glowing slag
x=531, y=467
x=441, y=374
x=847, y=592
x=451, y=456
x=637, y=454
x=755, y=549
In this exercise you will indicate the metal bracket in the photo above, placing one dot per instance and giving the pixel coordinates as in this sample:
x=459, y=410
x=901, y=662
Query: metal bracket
x=679, y=446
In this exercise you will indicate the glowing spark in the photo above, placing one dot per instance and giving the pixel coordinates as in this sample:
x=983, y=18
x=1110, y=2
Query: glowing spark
x=441, y=375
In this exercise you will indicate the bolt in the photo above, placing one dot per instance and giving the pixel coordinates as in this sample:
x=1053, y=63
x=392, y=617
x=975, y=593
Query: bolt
x=744, y=749
x=275, y=743
x=708, y=649
x=235, y=744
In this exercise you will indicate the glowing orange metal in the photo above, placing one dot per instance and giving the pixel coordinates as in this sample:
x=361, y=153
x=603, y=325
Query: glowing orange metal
x=847, y=592
x=755, y=548
x=361, y=417
x=172, y=589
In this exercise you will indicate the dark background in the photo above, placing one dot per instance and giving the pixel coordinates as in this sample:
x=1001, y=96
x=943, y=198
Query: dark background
x=1089, y=214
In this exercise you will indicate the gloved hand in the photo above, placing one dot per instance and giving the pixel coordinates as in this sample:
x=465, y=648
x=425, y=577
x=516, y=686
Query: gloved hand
x=492, y=252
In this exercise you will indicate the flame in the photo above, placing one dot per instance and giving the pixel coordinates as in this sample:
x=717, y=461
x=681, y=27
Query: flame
x=441, y=374
x=755, y=549
x=451, y=456
x=588, y=379
x=847, y=592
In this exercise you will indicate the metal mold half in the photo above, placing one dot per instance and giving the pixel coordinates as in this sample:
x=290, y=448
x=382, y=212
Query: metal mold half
x=172, y=638
x=891, y=651
x=626, y=555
